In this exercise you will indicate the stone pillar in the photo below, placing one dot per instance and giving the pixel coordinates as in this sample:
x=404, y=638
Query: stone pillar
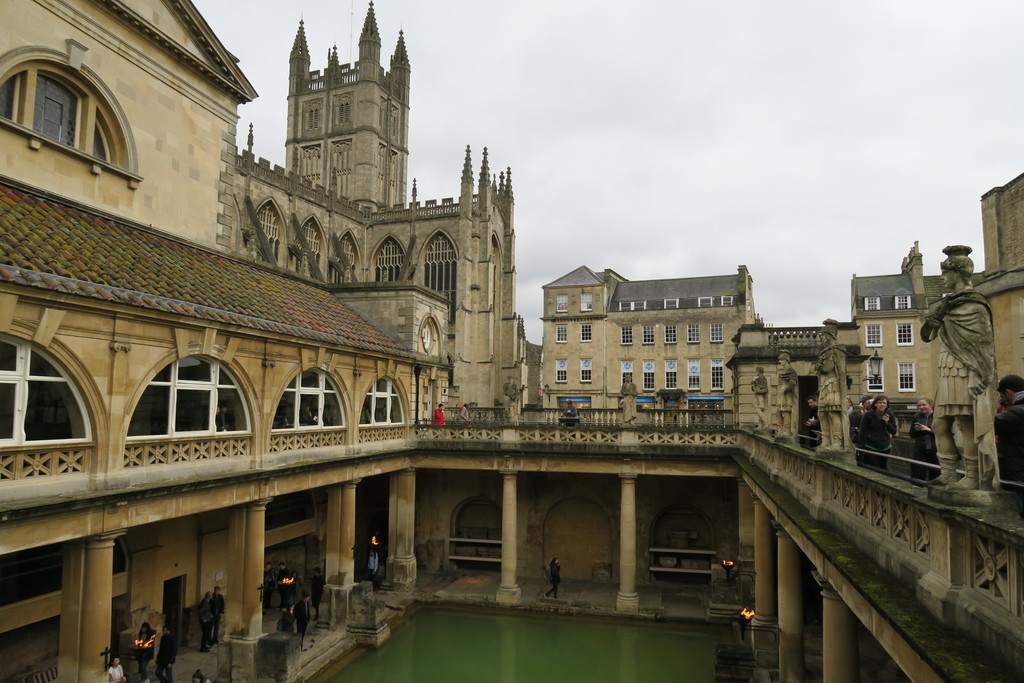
x=791, y=610
x=402, y=561
x=627, y=600
x=765, y=619
x=341, y=534
x=839, y=649
x=86, y=593
x=236, y=658
x=509, y=591
x=745, y=503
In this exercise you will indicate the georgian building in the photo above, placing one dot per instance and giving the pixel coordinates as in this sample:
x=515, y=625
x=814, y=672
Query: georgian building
x=671, y=338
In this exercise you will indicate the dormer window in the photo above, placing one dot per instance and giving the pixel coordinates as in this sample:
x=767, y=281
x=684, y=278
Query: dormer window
x=903, y=301
x=872, y=303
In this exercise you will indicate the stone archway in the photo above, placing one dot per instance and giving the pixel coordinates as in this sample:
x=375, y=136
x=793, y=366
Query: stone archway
x=577, y=531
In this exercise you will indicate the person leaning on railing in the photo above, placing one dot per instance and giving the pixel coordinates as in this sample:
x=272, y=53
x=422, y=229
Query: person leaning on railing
x=1009, y=428
x=877, y=427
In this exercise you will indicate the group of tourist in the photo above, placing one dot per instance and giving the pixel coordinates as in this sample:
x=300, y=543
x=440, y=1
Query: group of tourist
x=463, y=414
x=296, y=614
x=211, y=609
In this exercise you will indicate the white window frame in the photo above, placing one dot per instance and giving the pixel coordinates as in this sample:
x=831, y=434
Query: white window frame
x=902, y=301
x=874, y=388
x=868, y=329
x=906, y=376
x=626, y=370
x=626, y=335
x=872, y=303
x=705, y=301
x=586, y=302
x=717, y=374
x=717, y=333
x=561, y=334
x=648, y=377
x=727, y=300
x=671, y=303
x=561, y=371
x=312, y=388
x=586, y=332
x=693, y=374
x=561, y=303
x=23, y=380
x=671, y=334
x=382, y=393
x=671, y=374
x=586, y=371
x=693, y=333
x=647, y=335
x=908, y=328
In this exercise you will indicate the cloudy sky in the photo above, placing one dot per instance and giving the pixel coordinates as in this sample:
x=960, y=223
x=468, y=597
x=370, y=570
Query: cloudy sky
x=807, y=140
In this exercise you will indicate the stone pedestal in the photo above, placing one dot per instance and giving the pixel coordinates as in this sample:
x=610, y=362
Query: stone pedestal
x=278, y=657
x=236, y=660
x=367, y=618
x=334, y=606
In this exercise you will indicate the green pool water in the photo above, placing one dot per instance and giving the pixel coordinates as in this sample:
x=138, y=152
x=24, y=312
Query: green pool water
x=452, y=646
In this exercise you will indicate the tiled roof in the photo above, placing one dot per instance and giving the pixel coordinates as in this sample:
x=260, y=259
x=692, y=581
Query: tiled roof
x=580, y=276
x=678, y=288
x=884, y=285
x=47, y=244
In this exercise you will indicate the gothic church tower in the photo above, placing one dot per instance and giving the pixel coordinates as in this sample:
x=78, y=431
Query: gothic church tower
x=348, y=126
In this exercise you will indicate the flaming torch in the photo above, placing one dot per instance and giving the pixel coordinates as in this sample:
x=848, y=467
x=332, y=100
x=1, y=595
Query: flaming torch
x=743, y=617
x=374, y=541
x=728, y=566
x=288, y=581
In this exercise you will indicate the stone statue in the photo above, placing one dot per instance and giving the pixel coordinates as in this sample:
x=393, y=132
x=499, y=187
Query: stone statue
x=759, y=387
x=629, y=394
x=831, y=368
x=513, y=393
x=786, y=399
x=962, y=321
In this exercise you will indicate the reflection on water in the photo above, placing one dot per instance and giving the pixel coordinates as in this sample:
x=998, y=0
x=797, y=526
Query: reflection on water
x=453, y=646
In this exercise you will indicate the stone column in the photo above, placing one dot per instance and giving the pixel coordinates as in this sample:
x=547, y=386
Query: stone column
x=509, y=591
x=86, y=593
x=791, y=610
x=402, y=564
x=627, y=600
x=341, y=534
x=839, y=648
x=765, y=619
x=745, y=504
x=245, y=573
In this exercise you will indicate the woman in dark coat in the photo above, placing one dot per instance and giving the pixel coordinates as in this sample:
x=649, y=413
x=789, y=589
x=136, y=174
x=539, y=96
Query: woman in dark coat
x=924, y=440
x=554, y=576
x=877, y=428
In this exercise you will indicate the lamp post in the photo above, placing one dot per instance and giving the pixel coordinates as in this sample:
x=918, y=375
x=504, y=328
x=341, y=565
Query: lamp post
x=875, y=368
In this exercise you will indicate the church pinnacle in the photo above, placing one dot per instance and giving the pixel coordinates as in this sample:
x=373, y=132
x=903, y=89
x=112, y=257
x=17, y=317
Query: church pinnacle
x=467, y=168
x=401, y=57
x=370, y=26
x=299, y=47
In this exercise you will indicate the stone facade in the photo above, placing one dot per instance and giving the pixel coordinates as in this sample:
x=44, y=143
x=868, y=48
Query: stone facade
x=1002, y=210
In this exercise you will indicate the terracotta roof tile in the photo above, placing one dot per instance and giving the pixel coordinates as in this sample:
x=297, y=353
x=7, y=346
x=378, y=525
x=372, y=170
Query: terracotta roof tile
x=50, y=245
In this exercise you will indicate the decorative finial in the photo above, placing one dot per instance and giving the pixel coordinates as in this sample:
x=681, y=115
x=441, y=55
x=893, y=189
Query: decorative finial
x=413, y=190
x=249, y=139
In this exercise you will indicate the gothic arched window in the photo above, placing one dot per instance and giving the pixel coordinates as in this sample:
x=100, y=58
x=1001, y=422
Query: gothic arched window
x=192, y=396
x=439, y=269
x=271, y=222
x=389, y=261
x=315, y=240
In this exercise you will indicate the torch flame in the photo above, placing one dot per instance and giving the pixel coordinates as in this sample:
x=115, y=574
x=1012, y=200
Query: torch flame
x=747, y=613
x=373, y=541
x=288, y=580
x=728, y=563
x=148, y=643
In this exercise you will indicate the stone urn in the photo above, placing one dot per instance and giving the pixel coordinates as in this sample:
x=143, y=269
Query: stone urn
x=667, y=561
x=679, y=538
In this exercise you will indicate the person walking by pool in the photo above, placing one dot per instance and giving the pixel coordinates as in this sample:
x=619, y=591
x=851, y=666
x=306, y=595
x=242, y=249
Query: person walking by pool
x=316, y=586
x=165, y=657
x=144, y=643
x=217, y=604
x=267, y=587
x=554, y=574
x=283, y=583
x=303, y=615
x=206, y=622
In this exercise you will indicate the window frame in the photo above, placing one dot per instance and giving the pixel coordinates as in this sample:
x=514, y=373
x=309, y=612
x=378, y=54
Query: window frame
x=586, y=302
x=300, y=388
x=561, y=371
x=873, y=387
x=693, y=376
x=626, y=335
x=909, y=336
x=868, y=329
x=902, y=386
x=561, y=303
x=872, y=303
x=671, y=374
x=902, y=302
x=716, y=333
x=671, y=334
x=389, y=396
x=693, y=333
x=586, y=370
x=586, y=333
x=717, y=374
x=647, y=335
x=561, y=333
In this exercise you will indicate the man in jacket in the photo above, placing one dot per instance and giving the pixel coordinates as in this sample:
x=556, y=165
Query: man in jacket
x=1009, y=427
x=206, y=622
x=166, y=655
x=217, y=605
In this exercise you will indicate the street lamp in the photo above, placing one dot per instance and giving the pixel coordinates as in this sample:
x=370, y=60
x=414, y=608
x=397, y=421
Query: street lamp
x=875, y=368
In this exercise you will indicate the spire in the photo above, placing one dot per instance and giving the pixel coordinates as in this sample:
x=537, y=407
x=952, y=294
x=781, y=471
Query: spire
x=370, y=26
x=299, y=47
x=485, y=171
x=501, y=184
x=401, y=57
x=249, y=139
x=414, y=193
x=467, y=169
x=508, y=182
x=332, y=58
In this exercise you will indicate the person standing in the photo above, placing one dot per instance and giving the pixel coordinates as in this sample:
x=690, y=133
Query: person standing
x=268, y=584
x=206, y=622
x=282, y=583
x=115, y=674
x=554, y=573
x=316, y=585
x=303, y=615
x=166, y=655
x=144, y=643
x=1009, y=427
x=877, y=428
x=924, y=440
x=464, y=414
x=373, y=564
x=439, y=414
x=217, y=604
x=812, y=423
x=287, y=621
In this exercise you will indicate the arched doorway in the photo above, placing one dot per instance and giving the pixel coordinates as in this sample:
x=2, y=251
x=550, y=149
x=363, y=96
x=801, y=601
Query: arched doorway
x=577, y=531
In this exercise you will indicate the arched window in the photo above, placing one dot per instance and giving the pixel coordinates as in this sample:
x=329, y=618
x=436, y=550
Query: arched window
x=310, y=401
x=382, y=404
x=315, y=240
x=37, y=401
x=190, y=397
x=389, y=261
x=65, y=107
x=271, y=223
x=439, y=269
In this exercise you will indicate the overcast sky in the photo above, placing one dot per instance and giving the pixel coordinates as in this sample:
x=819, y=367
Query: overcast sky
x=807, y=140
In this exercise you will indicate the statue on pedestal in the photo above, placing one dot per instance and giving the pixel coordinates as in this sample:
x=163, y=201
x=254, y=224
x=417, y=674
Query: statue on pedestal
x=629, y=394
x=759, y=387
x=785, y=402
x=962, y=321
x=513, y=394
x=831, y=368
